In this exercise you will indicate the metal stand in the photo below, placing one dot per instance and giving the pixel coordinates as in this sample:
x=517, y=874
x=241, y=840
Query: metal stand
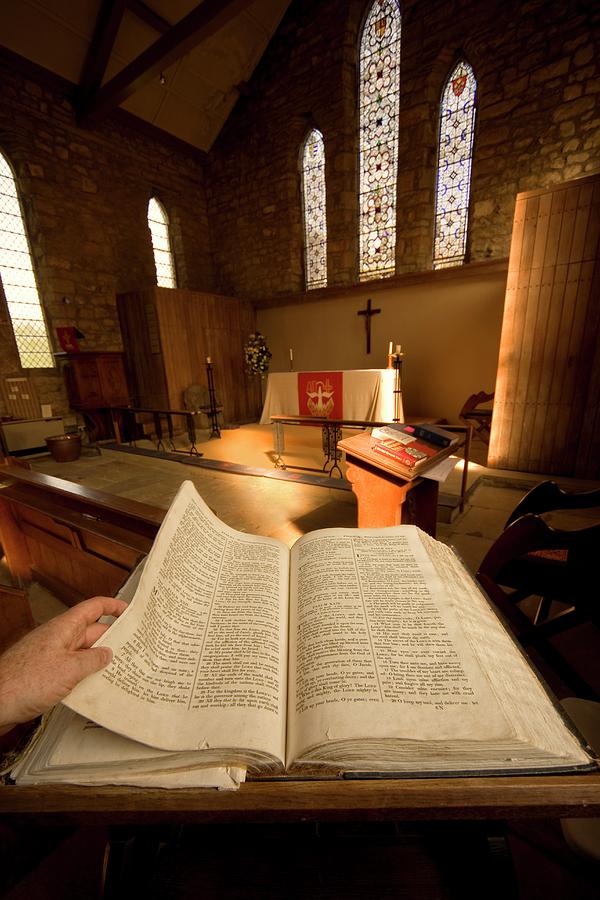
x=212, y=411
x=397, y=363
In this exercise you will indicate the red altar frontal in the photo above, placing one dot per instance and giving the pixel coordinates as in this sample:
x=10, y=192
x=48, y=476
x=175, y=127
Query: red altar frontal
x=357, y=394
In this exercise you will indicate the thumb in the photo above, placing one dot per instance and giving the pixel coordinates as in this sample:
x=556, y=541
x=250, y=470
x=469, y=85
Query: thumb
x=90, y=661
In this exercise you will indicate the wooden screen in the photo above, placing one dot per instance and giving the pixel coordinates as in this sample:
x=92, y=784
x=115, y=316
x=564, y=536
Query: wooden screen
x=546, y=408
x=168, y=334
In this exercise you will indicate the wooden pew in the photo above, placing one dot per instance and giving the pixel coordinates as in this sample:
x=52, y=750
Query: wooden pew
x=75, y=541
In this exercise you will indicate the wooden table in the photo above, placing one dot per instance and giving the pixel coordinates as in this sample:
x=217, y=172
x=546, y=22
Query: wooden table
x=368, y=800
x=384, y=497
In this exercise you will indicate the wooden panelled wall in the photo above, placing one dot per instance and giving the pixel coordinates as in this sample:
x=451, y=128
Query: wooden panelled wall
x=546, y=409
x=167, y=336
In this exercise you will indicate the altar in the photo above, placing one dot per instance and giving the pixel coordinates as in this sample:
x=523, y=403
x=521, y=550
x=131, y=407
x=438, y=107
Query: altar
x=360, y=394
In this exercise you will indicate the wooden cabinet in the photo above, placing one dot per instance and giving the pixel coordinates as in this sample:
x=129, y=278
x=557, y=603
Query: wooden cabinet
x=96, y=381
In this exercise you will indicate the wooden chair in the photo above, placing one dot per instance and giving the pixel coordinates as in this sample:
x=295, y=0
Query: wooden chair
x=516, y=568
x=547, y=496
x=479, y=419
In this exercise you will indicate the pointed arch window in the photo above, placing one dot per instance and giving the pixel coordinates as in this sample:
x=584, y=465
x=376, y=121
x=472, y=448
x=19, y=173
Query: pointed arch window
x=455, y=153
x=379, y=104
x=158, y=223
x=314, y=210
x=18, y=278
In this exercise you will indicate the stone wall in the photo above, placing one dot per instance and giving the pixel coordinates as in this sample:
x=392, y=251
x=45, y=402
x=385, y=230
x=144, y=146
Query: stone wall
x=85, y=194
x=236, y=212
x=538, y=123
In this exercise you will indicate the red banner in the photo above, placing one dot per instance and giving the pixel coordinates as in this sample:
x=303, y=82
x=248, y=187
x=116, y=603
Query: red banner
x=320, y=394
x=67, y=338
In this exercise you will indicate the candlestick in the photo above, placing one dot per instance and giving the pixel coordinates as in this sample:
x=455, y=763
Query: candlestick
x=390, y=349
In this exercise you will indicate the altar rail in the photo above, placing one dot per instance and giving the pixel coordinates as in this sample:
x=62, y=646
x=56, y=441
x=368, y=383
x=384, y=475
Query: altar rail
x=127, y=419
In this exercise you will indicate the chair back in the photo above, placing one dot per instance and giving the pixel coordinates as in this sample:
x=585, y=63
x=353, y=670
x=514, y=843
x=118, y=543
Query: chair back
x=548, y=496
x=531, y=559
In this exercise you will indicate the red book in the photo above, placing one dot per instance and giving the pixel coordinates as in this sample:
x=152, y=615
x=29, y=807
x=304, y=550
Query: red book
x=409, y=455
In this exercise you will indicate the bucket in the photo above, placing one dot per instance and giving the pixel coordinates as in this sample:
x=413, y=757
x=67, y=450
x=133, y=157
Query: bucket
x=64, y=447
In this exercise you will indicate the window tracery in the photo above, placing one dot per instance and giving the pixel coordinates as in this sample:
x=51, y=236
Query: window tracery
x=455, y=152
x=18, y=278
x=379, y=103
x=158, y=224
x=314, y=208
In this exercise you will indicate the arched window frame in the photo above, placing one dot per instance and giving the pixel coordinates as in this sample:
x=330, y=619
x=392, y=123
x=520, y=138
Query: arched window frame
x=314, y=209
x=164, y=262
x=19, y=278
x=458, y=107
x=379, y=107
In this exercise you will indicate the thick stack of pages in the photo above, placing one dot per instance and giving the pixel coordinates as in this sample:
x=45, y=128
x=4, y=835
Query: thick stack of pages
x=360, y=650
x=69, y=748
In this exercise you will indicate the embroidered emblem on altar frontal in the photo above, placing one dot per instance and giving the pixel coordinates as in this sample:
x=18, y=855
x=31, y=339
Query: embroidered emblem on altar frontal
x=321, y=394
x=320, y=398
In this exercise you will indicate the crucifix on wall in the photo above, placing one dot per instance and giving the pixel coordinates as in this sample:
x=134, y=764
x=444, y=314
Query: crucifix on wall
x=368, y=313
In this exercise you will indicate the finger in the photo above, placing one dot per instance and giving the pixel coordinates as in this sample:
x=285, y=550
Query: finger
x=86, y=662
x=93, y=633
x=75, y=621
x=91, y=610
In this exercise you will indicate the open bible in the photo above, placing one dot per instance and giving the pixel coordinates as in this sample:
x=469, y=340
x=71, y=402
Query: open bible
x=358, y=650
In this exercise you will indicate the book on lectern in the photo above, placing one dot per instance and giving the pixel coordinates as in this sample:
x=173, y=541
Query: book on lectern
x=357, y=651
x=408, y=450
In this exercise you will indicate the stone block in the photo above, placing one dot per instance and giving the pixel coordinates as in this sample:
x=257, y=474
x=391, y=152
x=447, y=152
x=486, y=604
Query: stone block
x=573, y=109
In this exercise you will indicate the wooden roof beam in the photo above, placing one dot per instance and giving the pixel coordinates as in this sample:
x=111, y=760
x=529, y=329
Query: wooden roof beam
x=148, y=16
x=201, y=23
x=108, y=22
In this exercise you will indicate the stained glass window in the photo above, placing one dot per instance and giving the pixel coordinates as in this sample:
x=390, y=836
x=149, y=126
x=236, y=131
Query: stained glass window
x=457, y=126
x=379, y=102
x=314, y=210
x=161, y=244
x=18, y=278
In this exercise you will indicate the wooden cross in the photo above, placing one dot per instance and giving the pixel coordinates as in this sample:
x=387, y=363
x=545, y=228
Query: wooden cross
x=368, y=313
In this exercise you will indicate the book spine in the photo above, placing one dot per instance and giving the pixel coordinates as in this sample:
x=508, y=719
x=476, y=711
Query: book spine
x=433, y=437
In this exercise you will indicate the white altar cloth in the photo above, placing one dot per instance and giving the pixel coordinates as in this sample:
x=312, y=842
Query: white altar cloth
x=368, y=395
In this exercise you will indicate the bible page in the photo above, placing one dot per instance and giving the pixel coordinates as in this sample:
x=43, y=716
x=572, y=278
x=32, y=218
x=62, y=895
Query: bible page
x=200, y=654
x=376, y=647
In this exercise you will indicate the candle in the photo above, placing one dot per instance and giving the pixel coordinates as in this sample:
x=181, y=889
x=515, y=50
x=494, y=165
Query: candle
x=398, y=349
x=208, y=360
x=390, y=349
x=291, y=355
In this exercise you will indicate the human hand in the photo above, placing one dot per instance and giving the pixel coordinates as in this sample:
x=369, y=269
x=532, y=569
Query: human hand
x=41, y=668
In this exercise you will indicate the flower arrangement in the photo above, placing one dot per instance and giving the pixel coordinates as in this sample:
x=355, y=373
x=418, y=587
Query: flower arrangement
x=256, y=354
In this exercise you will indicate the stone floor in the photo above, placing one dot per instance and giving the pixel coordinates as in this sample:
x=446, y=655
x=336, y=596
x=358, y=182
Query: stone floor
x=282, y=508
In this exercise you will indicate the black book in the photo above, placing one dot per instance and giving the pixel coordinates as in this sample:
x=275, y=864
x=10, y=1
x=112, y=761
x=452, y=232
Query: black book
x=434, y=435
